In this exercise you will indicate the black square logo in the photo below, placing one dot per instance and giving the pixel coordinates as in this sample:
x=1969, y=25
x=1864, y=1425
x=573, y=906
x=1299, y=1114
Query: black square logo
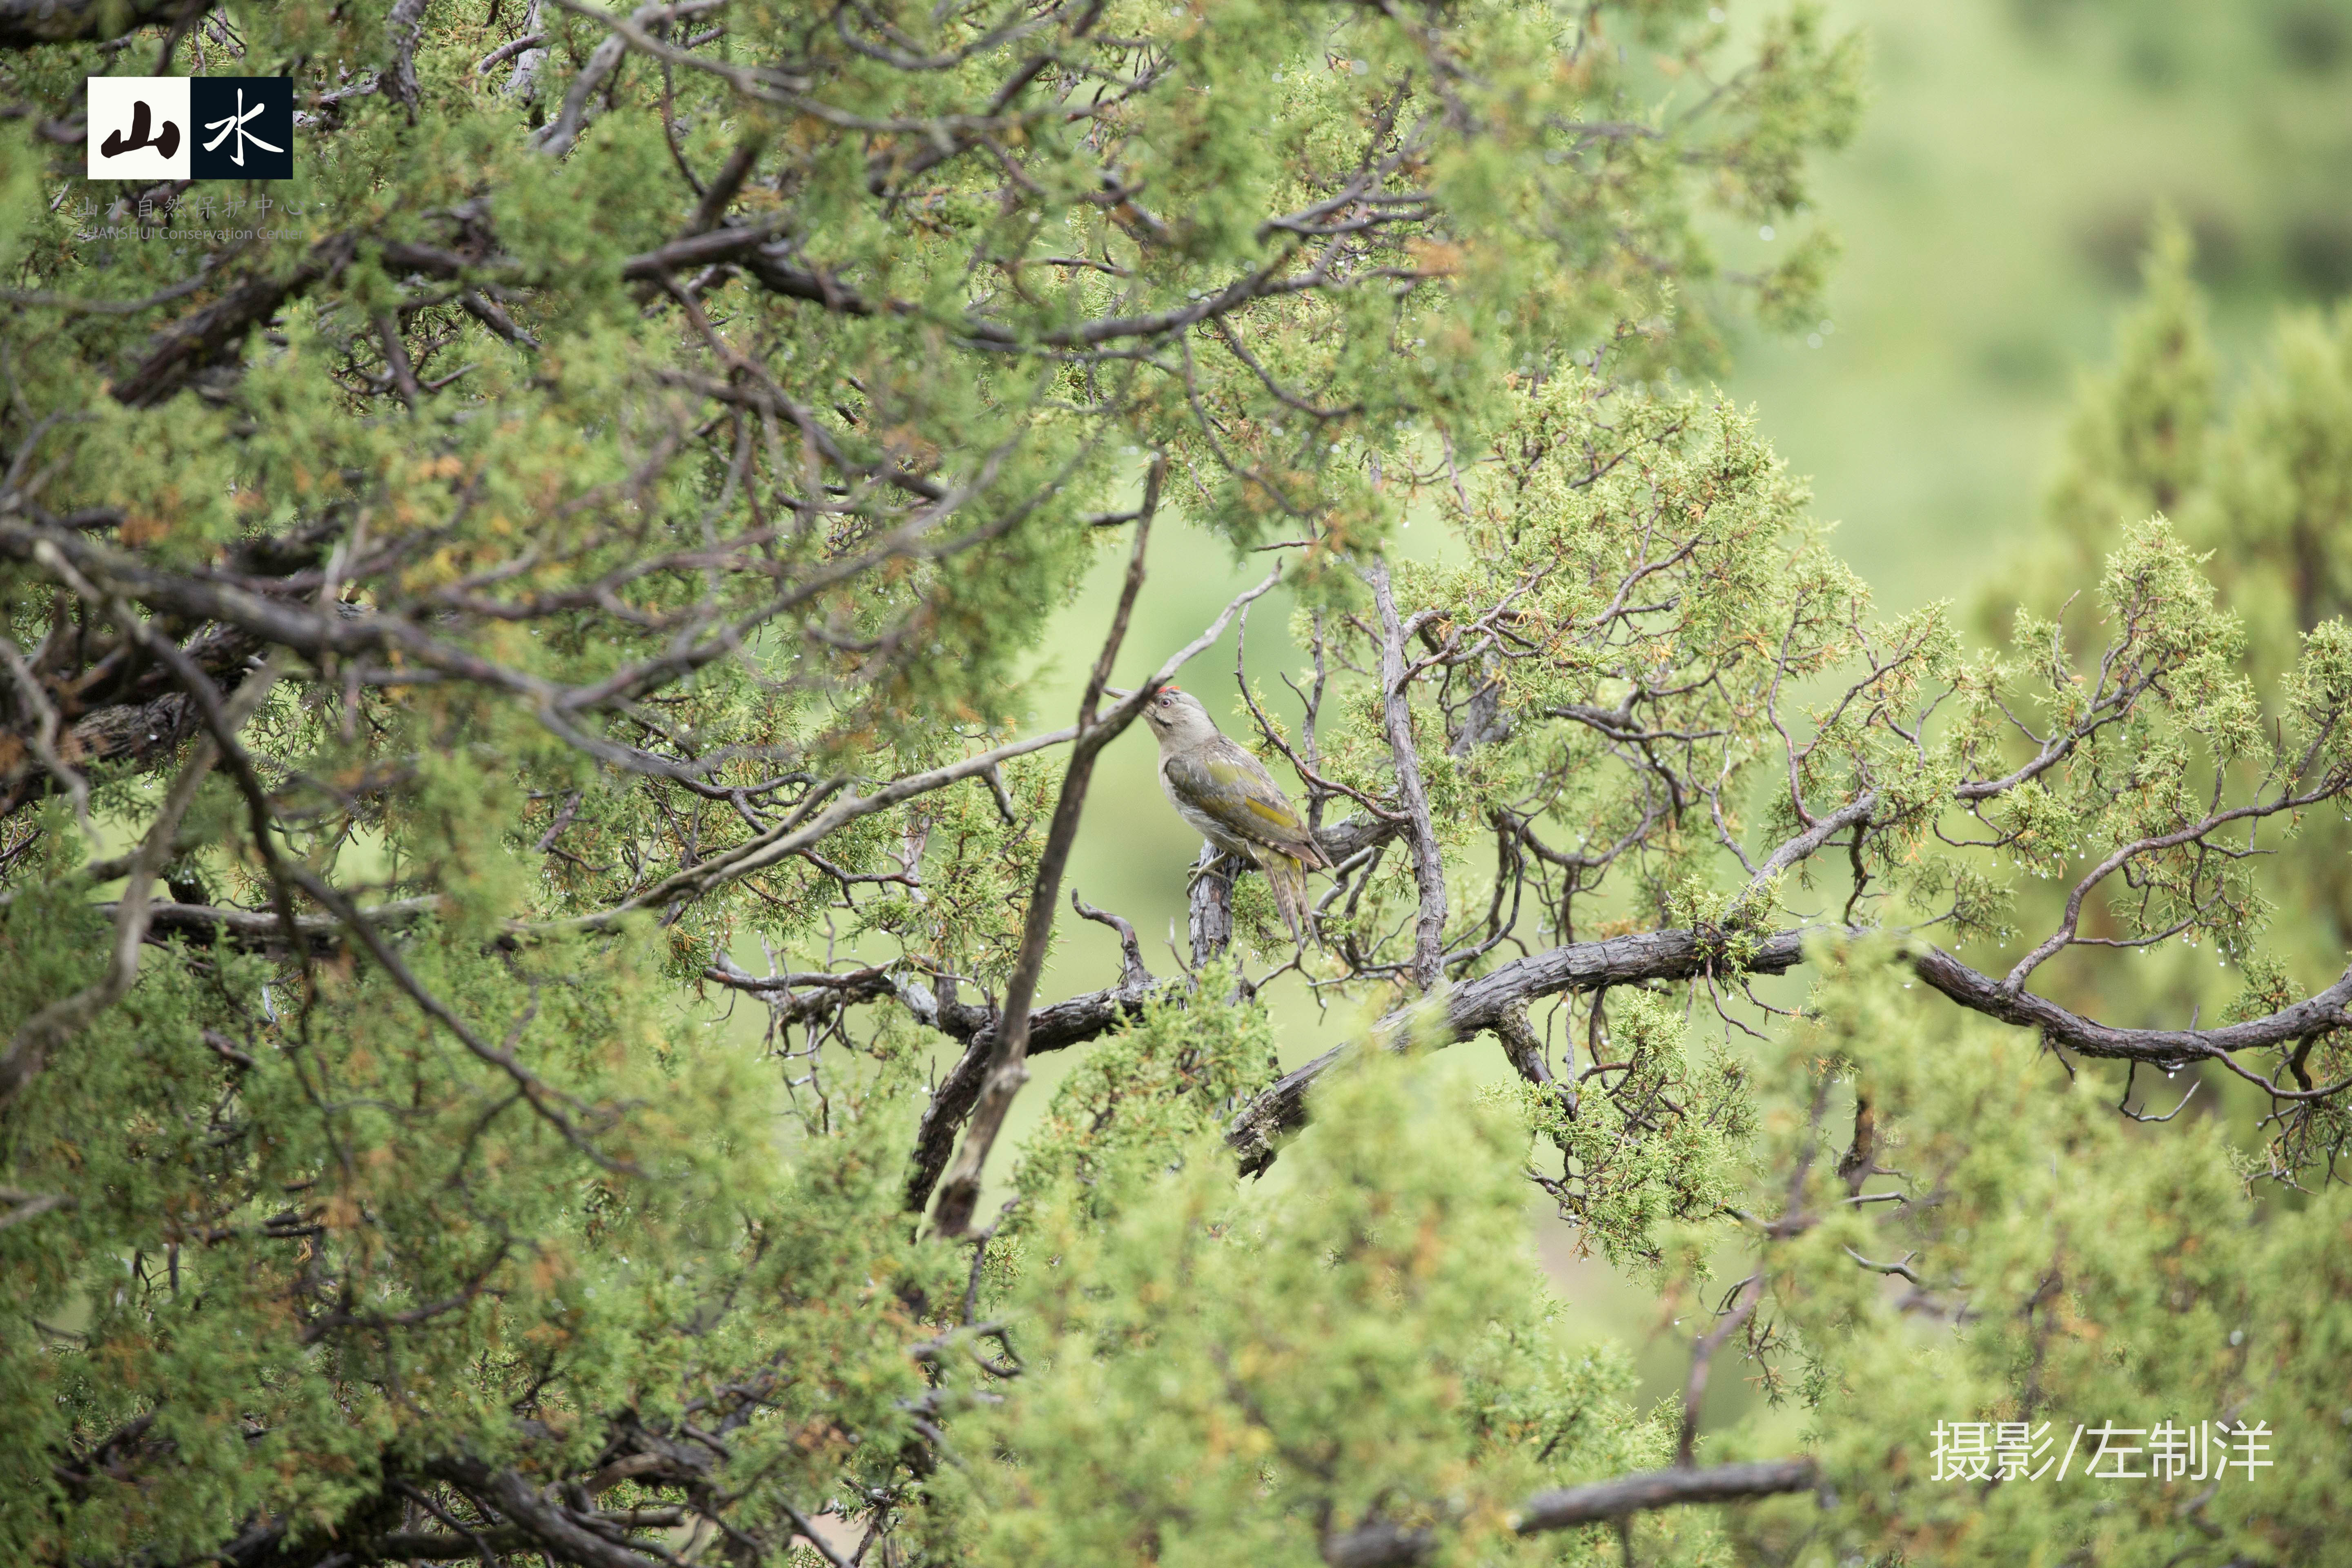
x=244, y=127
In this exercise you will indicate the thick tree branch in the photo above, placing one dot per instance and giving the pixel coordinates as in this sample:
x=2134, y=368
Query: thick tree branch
x=401, y=28
x=1663, y=1489
x=263, y=928
x=549, y=1525
x=1855, y=814
x=1481, y=1003
x=1256, y=1130
x=2315, y=1014
x=1394, y=1546
x=173, y=355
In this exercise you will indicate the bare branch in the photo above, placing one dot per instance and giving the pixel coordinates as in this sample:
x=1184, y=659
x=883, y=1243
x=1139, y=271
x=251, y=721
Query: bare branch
x=1428, y=859
x=1009, y=1070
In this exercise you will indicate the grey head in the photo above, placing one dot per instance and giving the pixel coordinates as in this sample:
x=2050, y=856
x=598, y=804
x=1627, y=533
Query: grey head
x=1178, y=718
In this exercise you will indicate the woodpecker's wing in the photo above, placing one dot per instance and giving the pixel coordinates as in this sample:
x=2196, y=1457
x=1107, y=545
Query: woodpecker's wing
x=1226, y=782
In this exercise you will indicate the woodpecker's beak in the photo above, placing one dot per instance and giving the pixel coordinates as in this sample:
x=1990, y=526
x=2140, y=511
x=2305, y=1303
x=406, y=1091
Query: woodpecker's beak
x=1117, y=694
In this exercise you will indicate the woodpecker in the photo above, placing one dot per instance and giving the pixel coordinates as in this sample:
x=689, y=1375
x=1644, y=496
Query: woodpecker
x=1228, y=797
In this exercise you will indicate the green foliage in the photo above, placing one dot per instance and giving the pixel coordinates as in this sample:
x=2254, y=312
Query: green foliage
x=2110, y=1276
x=487, y=1289
x=1142, y=1096
x=1655, y=1142
x=1212, y=1374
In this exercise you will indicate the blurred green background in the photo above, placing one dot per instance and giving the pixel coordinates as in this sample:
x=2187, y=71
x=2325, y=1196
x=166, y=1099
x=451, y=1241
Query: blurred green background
x=1994, y=208
x=1994, y=211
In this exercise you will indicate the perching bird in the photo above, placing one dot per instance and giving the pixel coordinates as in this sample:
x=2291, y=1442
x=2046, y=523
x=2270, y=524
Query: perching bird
x=1228, y=797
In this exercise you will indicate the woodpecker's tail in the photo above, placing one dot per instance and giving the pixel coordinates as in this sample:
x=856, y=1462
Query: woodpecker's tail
x=1288, y=878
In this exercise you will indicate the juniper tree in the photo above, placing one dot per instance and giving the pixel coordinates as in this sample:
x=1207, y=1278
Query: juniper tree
x=596, y=532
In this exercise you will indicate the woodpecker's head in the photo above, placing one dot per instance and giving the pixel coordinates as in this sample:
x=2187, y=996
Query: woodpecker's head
x=1177, y=717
